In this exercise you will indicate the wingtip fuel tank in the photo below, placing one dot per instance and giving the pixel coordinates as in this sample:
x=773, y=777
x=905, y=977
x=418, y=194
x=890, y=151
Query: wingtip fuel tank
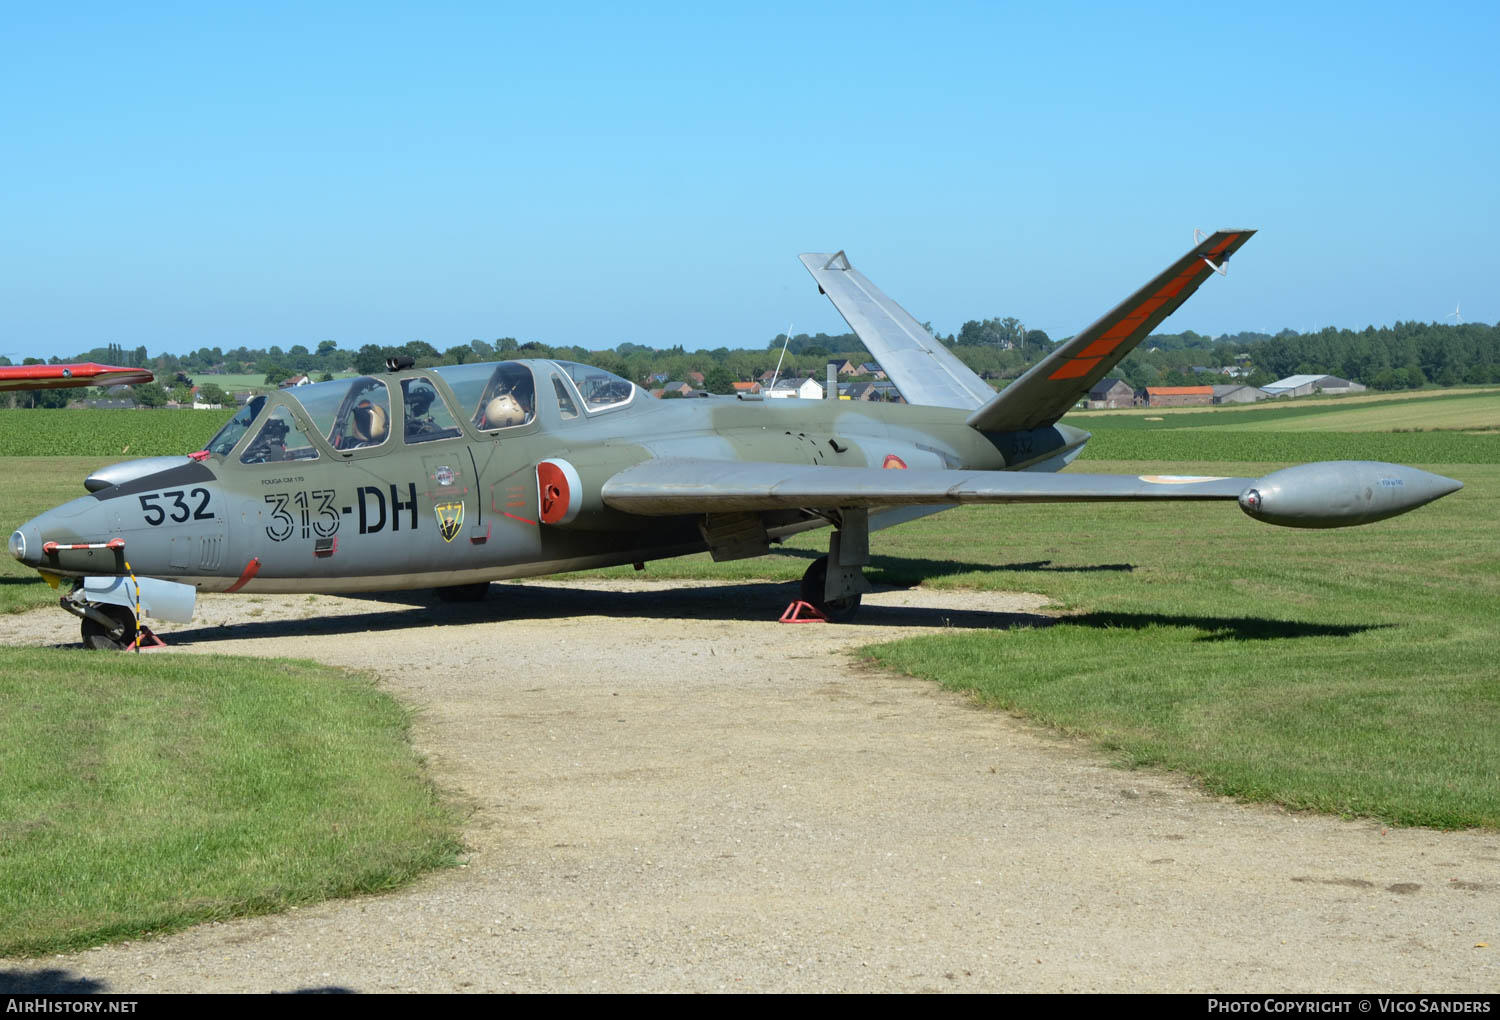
x=1342, y=493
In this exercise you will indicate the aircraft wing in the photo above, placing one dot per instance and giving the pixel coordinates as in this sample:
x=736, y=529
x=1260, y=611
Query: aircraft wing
x=673, y=486
x=923, y=369
x=51, y=377
x=1053, y=385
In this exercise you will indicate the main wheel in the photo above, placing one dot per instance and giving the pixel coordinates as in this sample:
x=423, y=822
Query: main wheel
x=475, y=592
x=839, y=610
x=116, y=638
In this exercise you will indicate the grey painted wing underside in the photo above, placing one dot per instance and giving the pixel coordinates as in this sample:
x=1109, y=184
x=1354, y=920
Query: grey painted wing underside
x=923, y=370
x=687, y=486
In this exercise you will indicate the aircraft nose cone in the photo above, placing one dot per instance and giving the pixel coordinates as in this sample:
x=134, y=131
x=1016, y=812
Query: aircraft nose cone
x=18, y=545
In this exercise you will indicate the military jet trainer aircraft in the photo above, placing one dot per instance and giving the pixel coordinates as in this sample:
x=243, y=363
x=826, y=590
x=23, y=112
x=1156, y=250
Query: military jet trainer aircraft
x=454, y=476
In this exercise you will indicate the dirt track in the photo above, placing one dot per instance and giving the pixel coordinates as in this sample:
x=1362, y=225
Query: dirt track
x=668, y=797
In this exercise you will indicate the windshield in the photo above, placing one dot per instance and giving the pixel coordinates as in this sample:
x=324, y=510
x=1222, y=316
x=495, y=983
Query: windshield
x=279, y=439
x=492, y=396
x=599, y=389
x=230, y=434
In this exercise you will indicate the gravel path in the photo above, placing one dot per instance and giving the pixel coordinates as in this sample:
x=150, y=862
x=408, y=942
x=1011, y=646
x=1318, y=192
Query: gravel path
x=671, y=793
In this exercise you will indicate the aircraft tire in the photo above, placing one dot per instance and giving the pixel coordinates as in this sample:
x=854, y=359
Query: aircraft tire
x=838, y=610
x=97, y=636
x=475, y=592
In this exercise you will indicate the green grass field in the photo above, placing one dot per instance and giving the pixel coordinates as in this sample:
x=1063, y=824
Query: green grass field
x=165, y=791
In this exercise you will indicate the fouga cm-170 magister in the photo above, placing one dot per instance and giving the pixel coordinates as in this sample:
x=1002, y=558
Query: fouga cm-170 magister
x=453, y=476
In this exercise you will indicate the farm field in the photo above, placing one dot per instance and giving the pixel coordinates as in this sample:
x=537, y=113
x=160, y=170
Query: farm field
x=1298, y=404
x=1478, y=413
x=234, y=383
x=117, y=435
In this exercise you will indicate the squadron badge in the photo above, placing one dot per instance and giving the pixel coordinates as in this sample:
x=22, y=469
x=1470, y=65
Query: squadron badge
x=450, y=517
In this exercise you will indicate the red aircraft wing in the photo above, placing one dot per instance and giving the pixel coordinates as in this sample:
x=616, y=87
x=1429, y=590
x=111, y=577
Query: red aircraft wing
x=52, y=377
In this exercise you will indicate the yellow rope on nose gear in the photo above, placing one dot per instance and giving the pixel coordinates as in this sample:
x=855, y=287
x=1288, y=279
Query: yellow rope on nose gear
x=137, y=606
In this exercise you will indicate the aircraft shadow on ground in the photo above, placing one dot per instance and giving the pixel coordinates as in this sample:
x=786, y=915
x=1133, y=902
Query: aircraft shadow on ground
x=48, y=981
x=748, y=602
x=56, y=981
x=1220, y=628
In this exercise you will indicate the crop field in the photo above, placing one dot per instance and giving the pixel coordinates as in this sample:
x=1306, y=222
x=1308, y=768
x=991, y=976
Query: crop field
x=1476, y=413
x=234, y=383
x=1432, y=429
x=114, y=434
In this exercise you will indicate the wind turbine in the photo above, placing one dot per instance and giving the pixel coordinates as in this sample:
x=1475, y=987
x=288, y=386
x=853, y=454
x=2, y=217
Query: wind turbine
x=1456, y=314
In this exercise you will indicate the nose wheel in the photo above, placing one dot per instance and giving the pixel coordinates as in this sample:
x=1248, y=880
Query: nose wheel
x=116, y=636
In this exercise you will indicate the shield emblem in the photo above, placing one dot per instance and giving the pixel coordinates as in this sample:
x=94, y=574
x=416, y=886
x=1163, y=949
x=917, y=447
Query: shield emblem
x=450, y=518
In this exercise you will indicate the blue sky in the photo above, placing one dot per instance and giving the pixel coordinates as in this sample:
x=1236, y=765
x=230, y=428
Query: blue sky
x=205, y=175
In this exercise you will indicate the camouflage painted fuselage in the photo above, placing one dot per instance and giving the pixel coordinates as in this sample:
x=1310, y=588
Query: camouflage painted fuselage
x=469, y=508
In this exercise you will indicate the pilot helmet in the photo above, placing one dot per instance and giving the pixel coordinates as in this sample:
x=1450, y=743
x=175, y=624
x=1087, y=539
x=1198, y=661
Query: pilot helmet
x=504, y=410
x=369, y=422
x=419, y=399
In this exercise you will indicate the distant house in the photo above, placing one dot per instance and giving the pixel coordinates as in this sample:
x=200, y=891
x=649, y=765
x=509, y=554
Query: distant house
x=747, y=387
x=1179, y=396
x=859, y=391
x=297, y=380
x=843, y=367
x=767, y=377
x=1111, y=393
x=106, y=404
x=807, y=389
x=696, y=378
x=679, y=387
x=872, y=369
x=1307, y=385
x=660, y=377
x=1238, y=394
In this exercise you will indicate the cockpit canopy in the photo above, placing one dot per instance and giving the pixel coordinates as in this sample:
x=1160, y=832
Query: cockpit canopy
x=360, y=413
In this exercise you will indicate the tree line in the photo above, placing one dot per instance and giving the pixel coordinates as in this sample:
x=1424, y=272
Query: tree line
x=1401, y=356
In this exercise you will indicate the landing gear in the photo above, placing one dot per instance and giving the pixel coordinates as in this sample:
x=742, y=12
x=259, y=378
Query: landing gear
x=815, y=583
x=118, y=635
x=475, y=592
x=835, y=584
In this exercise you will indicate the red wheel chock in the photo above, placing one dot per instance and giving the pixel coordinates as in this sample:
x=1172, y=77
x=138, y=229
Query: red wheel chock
x=149, y=642
x=802, y=612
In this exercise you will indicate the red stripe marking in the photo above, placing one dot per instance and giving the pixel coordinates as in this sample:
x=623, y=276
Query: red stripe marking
x=1087, y=358
x=1075, y=369
x=521, y=519
x=251, y=569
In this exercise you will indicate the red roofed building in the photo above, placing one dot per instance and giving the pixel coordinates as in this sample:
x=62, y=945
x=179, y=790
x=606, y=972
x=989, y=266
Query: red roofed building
x=1179, y=396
